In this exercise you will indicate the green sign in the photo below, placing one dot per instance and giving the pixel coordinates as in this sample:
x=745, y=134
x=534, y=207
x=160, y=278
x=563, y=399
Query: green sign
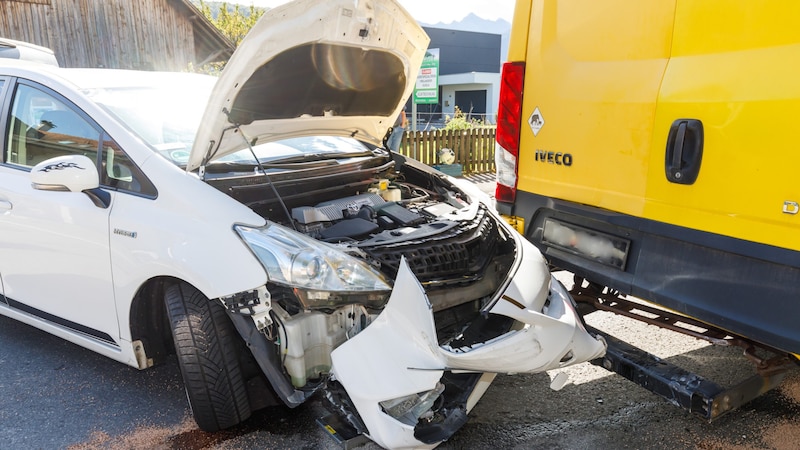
x=426, y=91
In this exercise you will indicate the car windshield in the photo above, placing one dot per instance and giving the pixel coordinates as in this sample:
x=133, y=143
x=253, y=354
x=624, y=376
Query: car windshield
x=298, y=150
x=167, y=117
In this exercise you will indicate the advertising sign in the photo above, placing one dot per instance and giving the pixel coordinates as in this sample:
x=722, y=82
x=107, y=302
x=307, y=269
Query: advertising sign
x=426, y=91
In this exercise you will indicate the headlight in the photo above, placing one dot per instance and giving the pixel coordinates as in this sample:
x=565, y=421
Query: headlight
x=321, y=275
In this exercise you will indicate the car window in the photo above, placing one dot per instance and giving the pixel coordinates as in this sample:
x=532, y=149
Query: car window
x=42, y=127
x=120, y=173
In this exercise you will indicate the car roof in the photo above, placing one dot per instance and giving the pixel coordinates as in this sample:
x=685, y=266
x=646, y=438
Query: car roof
x=110, y=78
x=93, y=78
x=10, y=48
x=11, y=64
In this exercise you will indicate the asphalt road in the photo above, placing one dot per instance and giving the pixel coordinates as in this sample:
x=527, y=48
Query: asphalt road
x=54, y=394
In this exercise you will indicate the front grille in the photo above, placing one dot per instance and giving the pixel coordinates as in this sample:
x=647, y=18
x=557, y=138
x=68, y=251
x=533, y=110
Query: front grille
x=459, y=253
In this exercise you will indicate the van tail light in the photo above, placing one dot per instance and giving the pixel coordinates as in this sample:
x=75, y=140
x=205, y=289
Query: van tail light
x=509, y=121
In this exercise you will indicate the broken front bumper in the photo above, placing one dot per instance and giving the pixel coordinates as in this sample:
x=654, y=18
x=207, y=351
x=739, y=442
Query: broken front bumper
x=397, y=360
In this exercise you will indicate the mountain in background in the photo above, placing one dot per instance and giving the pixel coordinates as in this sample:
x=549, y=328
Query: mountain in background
x=476, y=24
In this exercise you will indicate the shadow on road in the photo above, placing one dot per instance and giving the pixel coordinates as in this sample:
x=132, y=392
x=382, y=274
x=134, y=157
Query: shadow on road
x=54, y=394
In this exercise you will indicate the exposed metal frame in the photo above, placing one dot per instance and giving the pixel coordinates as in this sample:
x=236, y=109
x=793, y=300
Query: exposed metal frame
x=680, y=387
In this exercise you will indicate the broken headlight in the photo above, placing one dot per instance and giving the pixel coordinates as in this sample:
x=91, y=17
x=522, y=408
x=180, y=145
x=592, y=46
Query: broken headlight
x=411, y=408
x=320, y=275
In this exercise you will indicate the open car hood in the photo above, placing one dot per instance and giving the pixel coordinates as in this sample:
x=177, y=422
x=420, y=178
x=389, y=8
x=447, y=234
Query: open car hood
x=310, y=67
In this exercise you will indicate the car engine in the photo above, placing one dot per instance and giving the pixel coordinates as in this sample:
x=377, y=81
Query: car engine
x=382, y=211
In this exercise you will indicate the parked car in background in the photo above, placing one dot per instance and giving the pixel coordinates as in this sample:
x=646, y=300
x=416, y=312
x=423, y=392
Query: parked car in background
x=26, y=51
x=271, y=242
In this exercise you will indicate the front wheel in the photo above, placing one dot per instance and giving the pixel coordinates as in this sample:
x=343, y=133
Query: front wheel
x=205, y=342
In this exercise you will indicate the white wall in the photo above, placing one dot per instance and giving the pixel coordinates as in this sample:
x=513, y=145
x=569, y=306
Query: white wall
x=490, y=82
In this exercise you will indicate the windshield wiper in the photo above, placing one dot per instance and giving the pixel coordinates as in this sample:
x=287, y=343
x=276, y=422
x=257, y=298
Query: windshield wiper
x=312, y=157
x=289, y=162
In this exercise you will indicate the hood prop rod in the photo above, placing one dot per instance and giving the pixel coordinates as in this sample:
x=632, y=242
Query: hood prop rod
x=266, y=175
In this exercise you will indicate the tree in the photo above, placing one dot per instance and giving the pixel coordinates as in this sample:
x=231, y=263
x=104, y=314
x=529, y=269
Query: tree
x=232, y=21
x=460, y=121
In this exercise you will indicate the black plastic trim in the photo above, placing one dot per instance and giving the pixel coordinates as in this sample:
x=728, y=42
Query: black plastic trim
x=6, y=84
x=90, y=332
x=269, y=361
x=99, y=197
x=453, y=414
x=748, y=288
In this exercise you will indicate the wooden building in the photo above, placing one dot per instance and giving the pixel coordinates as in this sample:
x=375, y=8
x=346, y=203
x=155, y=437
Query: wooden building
x=124, y=34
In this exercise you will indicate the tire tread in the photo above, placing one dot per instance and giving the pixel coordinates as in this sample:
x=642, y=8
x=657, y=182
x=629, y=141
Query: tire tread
x=208, y=357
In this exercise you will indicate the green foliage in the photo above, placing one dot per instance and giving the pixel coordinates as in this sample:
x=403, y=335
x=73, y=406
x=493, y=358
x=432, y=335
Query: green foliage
x=214, y=68
x=460, y=121
x=234, y=22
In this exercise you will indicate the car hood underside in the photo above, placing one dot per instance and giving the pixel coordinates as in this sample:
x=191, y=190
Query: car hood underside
x=340, y=67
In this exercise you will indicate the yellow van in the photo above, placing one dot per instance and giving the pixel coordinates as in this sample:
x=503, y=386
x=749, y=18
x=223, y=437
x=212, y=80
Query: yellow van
x=651, y=147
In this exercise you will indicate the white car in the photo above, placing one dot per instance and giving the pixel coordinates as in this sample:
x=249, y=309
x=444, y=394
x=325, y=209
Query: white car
x=272, y=242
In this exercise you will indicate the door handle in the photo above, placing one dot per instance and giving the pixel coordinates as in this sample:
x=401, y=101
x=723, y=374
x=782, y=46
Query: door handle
x=684, y=151
x=5, y=205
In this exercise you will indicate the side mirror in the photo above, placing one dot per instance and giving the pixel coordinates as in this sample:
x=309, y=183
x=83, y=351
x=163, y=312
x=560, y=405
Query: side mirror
x=70, y=173
x=73, y=173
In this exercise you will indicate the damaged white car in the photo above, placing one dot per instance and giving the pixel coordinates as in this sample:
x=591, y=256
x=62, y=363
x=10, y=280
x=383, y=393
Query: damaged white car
x=272, y=242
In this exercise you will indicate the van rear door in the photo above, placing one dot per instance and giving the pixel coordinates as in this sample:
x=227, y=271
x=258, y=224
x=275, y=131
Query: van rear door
x=592, y=77
x=734, y=69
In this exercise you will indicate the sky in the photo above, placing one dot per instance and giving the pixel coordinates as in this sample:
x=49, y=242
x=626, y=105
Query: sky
x=434, y=11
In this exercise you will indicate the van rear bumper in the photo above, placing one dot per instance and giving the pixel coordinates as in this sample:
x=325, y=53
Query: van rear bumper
x=747, y=288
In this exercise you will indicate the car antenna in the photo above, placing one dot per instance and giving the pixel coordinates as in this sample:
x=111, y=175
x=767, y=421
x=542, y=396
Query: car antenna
x=266, y=175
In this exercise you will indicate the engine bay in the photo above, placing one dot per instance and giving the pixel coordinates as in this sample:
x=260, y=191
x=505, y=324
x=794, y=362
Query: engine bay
x=381, y=210
x=383, y=213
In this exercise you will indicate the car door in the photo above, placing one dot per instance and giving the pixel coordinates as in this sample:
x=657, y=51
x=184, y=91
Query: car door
x=592, y=74
x=55, y=262
x=3, y=203
x=731, y=91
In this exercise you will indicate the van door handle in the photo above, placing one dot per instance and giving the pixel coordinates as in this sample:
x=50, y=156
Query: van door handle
x=684, y=151
x=5, y=205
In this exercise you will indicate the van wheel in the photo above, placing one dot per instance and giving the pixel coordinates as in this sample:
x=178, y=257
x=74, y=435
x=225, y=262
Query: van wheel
x=205, y=342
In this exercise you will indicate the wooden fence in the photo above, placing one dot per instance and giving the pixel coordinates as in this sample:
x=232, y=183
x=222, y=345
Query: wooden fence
x=474, y=148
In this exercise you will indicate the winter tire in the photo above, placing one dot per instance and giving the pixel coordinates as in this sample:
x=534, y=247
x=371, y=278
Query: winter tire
x=205, y=342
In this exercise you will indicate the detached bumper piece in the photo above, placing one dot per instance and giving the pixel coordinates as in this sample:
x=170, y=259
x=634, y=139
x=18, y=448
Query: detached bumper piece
x=407, y=391
x=344, y=425
x=682, y=388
